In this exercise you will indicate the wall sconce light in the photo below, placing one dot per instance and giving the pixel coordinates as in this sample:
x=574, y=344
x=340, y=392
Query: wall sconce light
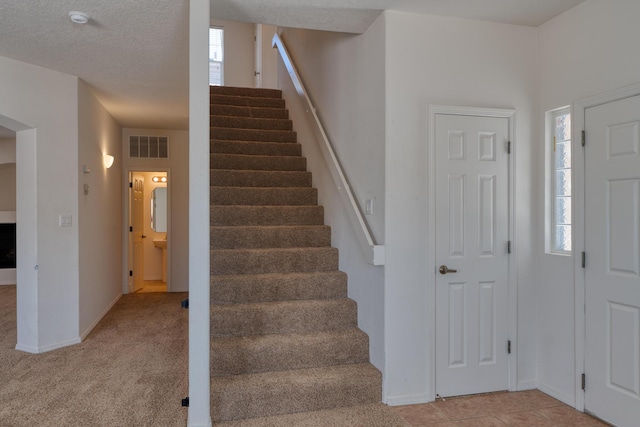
x=160, y=179
x=107, y=160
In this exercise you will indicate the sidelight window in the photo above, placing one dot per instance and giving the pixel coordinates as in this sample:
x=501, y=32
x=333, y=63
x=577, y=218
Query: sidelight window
x=559, y=181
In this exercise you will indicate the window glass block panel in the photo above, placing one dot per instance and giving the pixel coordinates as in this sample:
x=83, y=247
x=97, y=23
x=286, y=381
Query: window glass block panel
x=563, y=127
x=563, y=182
x=563, y=238
x=563, y=210
x=563, y=155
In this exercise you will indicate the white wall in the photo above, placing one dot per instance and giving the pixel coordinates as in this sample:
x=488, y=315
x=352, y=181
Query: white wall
x=238, y=52
x=99, y=212
x=8, y=196
x=269, y=58
x=178, y=166
x=7, y=186
x=42, y=106
x=585, y=51
x=344, y=75
x=7, y=150
x=437, y=60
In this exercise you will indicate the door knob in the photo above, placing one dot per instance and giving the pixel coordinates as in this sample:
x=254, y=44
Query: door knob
x=444, y=270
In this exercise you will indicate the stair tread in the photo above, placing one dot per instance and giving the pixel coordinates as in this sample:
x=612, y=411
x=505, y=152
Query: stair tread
x=266, y=214
x=278, y=392
x=264, y=353
x=245, y=111
x=279, y=317
x=370, y=415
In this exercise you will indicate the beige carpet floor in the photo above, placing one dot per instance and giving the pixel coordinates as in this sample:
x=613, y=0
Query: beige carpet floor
x=130, y=371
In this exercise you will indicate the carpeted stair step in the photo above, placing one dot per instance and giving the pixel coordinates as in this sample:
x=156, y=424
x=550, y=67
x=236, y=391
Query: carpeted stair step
x=255, y=148
x=282, y=236
x=369, y=415
x=249, y=123
x=245, y=91
x=251, y=288
x=279, y=260
x=275, y=393
x=250, y=162
x=266, y=215
x=253, y=178
x=282, y=317
x=245, y=101
x=260, y=112
x=263, y=196
x=277, y=352
x=253, y=135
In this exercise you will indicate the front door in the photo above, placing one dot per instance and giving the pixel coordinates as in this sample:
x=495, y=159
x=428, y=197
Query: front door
x=612, y=248
x=472, y=267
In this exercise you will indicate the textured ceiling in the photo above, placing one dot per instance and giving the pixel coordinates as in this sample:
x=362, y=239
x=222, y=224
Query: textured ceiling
x=354, y=16
x=134, y=53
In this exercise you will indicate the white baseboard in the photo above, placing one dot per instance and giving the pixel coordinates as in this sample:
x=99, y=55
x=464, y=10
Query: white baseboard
x=7, y=282
x=564, y=398
x=46, y=348
x=411, y=399
x=526, y=385
x=95, y=323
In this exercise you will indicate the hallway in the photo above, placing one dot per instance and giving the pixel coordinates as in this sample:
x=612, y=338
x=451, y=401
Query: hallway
x=130, y=371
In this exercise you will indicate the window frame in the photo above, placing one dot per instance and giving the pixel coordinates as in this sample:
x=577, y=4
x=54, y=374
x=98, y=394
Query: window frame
x=221, y=61
x=551, y=217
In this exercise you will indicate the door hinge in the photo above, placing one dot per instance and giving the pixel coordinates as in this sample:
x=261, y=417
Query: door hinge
x=131, y=185
x=509, y=147
x=509, y=247
x=130, y=229
x=584, y=381
x=584, y=138
x=509, y=347
x=130, y=273
x=584, y=260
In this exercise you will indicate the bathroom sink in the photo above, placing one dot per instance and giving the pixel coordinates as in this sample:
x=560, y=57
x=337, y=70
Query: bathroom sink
x=160, y=243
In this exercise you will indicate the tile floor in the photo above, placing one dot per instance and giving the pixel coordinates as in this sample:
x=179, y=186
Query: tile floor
x=530, y=408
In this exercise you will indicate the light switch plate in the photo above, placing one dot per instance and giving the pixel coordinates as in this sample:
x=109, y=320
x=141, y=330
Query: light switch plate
x=65, y=220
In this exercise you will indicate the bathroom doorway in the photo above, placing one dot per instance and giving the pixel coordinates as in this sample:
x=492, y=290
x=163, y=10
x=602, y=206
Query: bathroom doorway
x=148, y=242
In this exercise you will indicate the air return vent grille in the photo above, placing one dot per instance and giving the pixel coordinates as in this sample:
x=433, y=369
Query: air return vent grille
x=152, y=147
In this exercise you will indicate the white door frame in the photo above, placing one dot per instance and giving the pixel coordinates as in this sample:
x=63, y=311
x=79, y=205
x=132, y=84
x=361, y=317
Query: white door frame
x=431, y=237
x=125, y=221
x=579, y=232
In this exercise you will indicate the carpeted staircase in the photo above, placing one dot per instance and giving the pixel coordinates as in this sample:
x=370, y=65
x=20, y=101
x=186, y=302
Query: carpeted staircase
x=284, y=335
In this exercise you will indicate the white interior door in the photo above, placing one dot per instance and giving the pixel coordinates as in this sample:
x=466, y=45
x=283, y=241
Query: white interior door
x=612, y=247
x=472, y=233
x=137, y=233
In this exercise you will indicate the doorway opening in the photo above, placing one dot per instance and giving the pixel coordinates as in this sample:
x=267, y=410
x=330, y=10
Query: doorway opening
x=148, y=242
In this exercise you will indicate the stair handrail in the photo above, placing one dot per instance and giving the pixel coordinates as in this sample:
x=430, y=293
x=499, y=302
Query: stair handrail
x=374, y=253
